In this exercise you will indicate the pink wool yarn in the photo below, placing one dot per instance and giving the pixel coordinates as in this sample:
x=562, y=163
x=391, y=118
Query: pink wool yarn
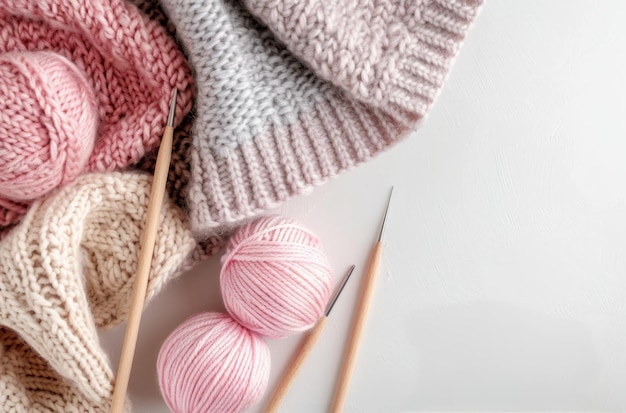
x=132, y=66
x=275, y=277
x=275, y=281
x=212, y=364
x=48, y=123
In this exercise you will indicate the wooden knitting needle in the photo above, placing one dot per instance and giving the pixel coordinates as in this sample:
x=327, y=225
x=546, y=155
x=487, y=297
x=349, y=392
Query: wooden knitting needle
x=157, y=193
x=301, y=354
x=358, y=324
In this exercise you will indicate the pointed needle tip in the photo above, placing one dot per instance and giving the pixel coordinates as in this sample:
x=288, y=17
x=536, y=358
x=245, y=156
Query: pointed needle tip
x=170, y=117
x=343, y=284
x=382, y=226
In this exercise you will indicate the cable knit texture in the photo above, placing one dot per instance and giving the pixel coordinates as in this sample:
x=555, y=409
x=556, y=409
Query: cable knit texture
x=131, y=65
x=389, y=54
x=66, y=270
x=291, y=93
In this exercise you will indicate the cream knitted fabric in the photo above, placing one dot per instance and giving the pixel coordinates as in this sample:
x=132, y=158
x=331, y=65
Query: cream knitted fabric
x=67, y=269
x=291, y=93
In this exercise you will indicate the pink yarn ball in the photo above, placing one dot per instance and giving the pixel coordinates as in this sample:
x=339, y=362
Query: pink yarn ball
x=212, y=364
x=48, y=123
x=275, y=277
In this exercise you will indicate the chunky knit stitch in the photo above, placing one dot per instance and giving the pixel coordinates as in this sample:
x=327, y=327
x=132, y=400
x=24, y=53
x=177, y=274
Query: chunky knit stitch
x=389, y=54
x=67, y=269
x=178, y=184
x=48, y=123
x=323, y=87
x=180, y=171
x=131, y=64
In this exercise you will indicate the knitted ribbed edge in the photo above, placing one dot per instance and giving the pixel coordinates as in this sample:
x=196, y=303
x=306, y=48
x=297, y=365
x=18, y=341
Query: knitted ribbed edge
x=23, y=372
x=335, y=135
x=419, y=69
x=81, y=346
x=384, y=53
x=177, y=187
x=287, y=160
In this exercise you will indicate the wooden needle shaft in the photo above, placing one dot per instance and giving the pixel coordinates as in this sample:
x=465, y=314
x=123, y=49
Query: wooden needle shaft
x=358, y=325
x=303, y=350
x=147, y=242
x=306, y=346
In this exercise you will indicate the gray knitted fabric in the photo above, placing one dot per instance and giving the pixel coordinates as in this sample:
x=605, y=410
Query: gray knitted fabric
x=324, y=86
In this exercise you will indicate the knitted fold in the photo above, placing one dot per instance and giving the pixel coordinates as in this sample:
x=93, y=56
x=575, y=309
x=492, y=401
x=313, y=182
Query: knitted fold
x=66, y=270
x=130, y=62
x=29, y=385
x=308, y=90
x=257, y=175
x=391, y=55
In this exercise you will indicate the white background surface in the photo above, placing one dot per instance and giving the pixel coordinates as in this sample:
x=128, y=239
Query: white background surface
x=503, y=283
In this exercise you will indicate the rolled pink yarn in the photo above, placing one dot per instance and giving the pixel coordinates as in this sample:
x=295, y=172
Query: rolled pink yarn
x=275, y=278
x=48, y=125
x=210, y=363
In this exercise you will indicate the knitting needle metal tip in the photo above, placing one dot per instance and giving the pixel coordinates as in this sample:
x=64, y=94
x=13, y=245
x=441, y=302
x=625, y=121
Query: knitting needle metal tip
x=170, y=117
x=339, y=290
x=382, y=227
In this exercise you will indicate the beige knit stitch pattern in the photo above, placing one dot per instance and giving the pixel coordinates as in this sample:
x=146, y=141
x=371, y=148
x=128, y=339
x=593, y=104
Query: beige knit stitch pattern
x=66, y=270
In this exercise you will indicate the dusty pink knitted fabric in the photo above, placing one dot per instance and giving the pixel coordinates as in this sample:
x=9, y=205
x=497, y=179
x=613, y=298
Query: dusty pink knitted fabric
x=130, y=62
x=290, y=93
x=389, y=54
x=48, y=123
